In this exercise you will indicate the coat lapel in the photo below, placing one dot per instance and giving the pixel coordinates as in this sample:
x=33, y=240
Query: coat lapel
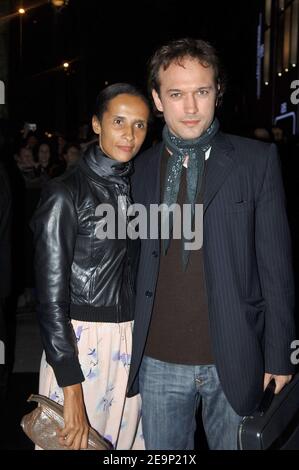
x=220, y=164
x=155, y=190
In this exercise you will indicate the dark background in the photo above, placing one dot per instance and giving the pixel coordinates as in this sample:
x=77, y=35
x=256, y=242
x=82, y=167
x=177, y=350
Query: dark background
x=107, y=42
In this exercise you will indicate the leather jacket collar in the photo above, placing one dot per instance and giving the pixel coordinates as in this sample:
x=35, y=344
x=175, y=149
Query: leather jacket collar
x=106, y=167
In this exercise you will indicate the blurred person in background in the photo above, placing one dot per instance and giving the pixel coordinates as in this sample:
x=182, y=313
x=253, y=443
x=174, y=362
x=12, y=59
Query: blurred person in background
x=5, y=280
x=86, y=285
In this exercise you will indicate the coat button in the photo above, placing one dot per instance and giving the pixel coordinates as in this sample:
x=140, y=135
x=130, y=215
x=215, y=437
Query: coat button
x=148, y=293
x=155, y=254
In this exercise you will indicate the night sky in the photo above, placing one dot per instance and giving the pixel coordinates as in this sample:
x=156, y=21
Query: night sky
x=110, y=41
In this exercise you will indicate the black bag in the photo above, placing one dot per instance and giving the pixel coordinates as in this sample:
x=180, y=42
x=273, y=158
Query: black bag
x=276, y=423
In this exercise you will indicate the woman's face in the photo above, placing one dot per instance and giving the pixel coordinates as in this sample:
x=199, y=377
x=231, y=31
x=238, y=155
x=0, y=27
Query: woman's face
x=44, y=154
x=123, y=127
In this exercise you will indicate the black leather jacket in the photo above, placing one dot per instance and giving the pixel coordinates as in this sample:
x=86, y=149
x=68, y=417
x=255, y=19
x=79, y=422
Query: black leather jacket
x=78, y=275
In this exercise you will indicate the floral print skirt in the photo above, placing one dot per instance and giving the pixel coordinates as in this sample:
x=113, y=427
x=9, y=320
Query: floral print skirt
x=104, y=355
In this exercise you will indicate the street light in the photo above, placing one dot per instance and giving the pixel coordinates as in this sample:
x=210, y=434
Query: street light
x=59, y=3
x=65, y=65
x=21, y=12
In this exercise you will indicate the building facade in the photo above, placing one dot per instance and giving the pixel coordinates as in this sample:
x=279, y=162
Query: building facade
x=277, y=71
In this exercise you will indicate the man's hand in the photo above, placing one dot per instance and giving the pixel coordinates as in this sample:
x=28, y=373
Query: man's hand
x=280, y=381
x=74, y=435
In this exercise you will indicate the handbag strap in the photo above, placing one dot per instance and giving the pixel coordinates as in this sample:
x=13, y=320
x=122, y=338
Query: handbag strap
x=42, y=400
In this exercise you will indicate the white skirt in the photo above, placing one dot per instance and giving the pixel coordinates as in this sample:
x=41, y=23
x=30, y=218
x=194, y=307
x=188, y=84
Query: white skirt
x=104, y=356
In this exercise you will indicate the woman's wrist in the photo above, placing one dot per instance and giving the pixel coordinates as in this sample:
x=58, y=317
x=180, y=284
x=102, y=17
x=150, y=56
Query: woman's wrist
x=72, y=390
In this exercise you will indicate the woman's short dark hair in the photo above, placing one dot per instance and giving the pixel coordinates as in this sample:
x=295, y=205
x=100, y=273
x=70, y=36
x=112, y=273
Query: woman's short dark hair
x=175, y=51
x=110, y=92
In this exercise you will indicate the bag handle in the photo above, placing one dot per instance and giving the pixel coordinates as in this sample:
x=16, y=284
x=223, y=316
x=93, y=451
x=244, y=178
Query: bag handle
x=42, y=400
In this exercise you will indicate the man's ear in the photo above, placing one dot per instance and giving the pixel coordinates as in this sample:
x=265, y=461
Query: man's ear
x=96, y=126
x=157, y=101
x=217, y=95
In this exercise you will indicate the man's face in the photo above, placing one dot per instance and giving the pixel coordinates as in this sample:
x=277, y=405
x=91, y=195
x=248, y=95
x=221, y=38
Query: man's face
x=123, y=127
x=187, y=97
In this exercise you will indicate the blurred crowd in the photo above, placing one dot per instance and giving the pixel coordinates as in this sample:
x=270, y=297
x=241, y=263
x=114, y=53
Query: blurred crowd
x=31, y=159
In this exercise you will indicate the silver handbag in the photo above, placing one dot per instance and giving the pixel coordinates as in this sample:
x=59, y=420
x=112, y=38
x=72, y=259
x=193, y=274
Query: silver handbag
x=41, y=424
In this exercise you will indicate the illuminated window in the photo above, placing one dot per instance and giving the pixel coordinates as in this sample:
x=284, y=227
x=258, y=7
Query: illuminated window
x=279, y=49
x=294, y=31
x=287, y=37
x=267, y=55
x=268, y=12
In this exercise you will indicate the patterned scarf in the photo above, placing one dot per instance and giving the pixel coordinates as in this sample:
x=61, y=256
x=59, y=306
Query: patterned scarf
x=195, y=149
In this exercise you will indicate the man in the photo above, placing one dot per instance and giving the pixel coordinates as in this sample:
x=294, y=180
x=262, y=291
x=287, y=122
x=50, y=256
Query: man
x=212, y=325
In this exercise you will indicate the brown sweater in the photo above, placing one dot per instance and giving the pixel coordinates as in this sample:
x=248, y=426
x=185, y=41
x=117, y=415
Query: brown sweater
x=179, y=330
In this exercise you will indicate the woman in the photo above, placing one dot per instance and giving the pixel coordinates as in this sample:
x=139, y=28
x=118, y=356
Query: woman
x=44, y=155
x=71, y=154
x=44, y=160
x=85, y=285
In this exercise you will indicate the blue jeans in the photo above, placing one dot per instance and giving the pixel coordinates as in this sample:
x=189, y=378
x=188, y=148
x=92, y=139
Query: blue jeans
x=171, y=394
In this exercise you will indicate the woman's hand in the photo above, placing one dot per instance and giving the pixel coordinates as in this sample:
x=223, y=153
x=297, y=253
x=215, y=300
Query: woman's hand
x=74, y=435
